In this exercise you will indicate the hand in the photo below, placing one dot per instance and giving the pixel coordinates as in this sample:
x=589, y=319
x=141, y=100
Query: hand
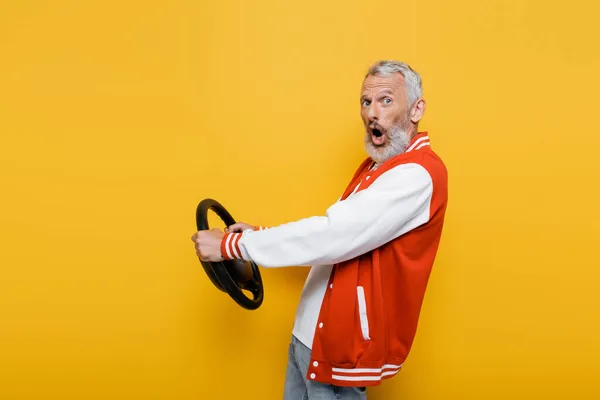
x=239, y=227
x=208, y=245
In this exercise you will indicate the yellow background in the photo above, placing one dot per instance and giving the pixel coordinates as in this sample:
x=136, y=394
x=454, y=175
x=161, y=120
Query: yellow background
x=118, y=117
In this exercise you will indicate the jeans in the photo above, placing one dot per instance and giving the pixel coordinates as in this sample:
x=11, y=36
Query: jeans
x=298, y=387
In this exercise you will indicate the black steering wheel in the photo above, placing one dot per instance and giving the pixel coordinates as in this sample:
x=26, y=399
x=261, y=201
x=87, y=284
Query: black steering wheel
x=230, y=276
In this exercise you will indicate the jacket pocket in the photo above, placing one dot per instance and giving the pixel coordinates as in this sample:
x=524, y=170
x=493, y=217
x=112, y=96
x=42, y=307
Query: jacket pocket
x=362, y=312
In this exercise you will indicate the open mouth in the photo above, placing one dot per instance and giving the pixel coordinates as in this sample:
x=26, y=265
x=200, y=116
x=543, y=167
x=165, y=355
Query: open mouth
x=377, y=137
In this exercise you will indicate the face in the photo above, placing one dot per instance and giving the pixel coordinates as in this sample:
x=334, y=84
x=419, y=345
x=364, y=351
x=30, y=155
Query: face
x=385, y=115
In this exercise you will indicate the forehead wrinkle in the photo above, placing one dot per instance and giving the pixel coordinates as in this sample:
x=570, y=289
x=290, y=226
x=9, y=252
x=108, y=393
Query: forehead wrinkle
x=379, y=89
x=393, y=84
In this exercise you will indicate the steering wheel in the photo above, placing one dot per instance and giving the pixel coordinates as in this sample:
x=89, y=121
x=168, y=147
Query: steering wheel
x=230, y=276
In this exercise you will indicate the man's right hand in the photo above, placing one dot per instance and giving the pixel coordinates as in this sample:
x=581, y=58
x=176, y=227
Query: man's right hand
x=239, y=227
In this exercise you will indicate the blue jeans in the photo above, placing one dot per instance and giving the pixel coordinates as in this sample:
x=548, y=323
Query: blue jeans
x=298, y=387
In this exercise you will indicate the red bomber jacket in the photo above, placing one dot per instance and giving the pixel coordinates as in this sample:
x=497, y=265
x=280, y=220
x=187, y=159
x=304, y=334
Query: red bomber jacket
x=370, y=310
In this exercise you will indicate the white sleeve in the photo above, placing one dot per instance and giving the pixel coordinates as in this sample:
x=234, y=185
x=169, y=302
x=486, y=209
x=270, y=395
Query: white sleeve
x=397, y=202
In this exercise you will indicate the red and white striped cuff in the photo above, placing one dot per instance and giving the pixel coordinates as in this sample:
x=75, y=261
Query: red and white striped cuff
x=230, y=244
x=230, y=248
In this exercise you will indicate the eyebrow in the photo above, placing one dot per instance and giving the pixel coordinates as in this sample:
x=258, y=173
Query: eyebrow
x=388, y=91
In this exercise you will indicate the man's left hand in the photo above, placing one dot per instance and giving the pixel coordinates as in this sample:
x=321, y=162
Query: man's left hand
x=208, y=245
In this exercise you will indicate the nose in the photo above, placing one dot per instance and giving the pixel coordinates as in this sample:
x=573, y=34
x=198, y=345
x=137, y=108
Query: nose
x=373, y=112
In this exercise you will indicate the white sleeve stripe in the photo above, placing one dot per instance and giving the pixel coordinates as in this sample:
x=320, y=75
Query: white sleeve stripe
x=234, y=245
x=227, y=246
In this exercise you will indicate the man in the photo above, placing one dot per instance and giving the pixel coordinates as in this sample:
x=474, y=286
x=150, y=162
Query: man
x=371, y=253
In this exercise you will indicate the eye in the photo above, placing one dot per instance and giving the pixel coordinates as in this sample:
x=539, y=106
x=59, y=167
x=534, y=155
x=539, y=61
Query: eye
x=365, y=103
x=387, y=100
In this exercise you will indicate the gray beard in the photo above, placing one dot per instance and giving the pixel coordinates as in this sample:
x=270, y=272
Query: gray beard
x=398, y=141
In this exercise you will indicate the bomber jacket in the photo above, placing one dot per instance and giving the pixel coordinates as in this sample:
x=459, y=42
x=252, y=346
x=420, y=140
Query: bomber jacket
x=381, y=239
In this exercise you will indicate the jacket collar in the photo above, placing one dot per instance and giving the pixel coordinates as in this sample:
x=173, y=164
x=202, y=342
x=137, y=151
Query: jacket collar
x=419, y=141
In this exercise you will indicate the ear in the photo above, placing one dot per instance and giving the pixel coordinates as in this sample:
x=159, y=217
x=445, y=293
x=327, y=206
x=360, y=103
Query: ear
x=417, y=110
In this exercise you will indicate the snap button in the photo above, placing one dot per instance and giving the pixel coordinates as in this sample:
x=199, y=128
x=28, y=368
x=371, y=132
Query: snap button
x=316, y=364
x=320, y=324
x=312, y=376
x=368, y=176
x=331, y=286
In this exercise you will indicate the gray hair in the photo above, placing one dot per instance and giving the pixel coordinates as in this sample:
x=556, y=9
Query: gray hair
x=414, y=88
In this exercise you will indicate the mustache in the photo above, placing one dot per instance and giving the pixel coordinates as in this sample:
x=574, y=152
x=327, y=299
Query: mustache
x=376, y=125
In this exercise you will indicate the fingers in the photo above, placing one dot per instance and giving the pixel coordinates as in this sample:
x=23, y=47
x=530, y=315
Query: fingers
x=196, y=240
x=237, y=227
x=195, y=235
